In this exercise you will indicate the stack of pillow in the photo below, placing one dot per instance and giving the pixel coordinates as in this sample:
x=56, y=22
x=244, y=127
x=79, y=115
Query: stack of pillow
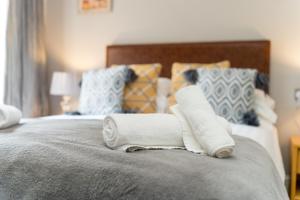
x=235, y=94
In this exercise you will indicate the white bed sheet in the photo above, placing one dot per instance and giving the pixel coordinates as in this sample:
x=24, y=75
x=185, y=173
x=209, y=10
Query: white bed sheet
x=266, y=135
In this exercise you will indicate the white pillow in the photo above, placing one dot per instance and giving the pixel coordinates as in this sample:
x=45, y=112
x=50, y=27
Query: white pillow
x=163, y=87
x=163, y=91
x=161, y=104
x=264, y=107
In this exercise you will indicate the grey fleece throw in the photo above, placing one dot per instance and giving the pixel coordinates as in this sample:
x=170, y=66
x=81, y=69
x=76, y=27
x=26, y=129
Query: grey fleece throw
x=67, y=160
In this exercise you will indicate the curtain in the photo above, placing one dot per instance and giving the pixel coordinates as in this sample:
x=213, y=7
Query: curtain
x=26, y=84
x=3, y=21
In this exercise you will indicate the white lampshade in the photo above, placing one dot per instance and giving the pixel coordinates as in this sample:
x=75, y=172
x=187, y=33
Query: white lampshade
x=64, y=84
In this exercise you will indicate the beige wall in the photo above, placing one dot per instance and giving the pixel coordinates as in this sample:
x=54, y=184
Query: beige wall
x=77, y=41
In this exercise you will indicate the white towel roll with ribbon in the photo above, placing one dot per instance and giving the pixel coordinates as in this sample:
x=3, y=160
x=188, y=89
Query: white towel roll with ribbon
x=131, y=132
x=208, y=131
x=189, y=139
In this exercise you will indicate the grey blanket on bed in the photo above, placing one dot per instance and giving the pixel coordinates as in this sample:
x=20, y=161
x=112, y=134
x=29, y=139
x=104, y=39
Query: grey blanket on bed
x=68, y=160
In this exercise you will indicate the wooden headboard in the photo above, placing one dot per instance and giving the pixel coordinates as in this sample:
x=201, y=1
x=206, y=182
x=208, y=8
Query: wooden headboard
x=242, y=54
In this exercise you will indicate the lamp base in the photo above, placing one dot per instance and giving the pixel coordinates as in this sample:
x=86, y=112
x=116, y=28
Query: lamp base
x=66, y=104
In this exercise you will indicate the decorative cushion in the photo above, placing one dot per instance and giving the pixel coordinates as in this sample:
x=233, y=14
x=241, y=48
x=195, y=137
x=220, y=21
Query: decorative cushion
x=140, y=96
x=130, y=77
x=178, y=80
x=229, y=91
x=102, y=91
x=261, y=79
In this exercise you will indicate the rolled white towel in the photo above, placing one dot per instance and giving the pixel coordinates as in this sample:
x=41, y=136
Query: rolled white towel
x=189, y=139
x=225, y=124
x=131, y=132
x=208, y=131
x=9, y=116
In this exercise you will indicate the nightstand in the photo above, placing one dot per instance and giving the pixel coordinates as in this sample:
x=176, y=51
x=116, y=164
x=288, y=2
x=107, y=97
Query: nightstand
x=295, y=168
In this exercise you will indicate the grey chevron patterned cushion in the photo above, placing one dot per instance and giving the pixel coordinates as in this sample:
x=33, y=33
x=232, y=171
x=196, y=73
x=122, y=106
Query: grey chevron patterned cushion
x=102, y=91
x=229, y=91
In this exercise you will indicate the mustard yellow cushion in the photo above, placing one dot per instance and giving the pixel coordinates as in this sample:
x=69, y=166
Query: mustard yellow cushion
x=140, y=96
x=178, y=80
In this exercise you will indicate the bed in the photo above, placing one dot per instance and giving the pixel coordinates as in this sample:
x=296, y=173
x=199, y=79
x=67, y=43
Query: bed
x=266, y=135
x=65, y=157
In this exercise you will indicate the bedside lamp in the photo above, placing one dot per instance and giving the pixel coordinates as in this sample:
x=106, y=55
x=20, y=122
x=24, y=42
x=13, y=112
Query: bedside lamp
x=64, y=84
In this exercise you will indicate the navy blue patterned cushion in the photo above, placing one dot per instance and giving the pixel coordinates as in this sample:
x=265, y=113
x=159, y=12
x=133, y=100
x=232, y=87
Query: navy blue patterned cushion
x=229, y=91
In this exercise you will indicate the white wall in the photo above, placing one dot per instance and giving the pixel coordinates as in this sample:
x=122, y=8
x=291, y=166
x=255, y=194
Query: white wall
x=77, y=41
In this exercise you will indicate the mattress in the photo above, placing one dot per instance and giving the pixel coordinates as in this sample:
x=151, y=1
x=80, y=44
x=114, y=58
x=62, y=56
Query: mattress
x=266, y=135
